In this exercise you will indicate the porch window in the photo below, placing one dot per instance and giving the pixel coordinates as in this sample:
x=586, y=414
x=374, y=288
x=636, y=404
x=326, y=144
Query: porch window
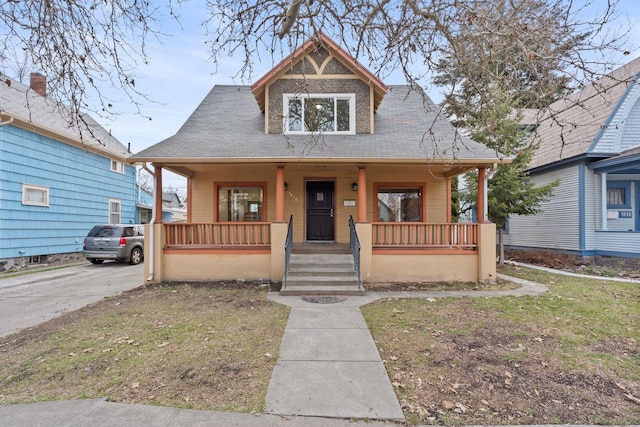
x=326, y=113
x=618, y=195
x=239, y=203
x=399, y=203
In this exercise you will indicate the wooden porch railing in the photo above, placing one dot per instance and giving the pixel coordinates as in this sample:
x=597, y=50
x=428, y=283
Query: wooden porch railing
x=419, y=235
x=218, y=234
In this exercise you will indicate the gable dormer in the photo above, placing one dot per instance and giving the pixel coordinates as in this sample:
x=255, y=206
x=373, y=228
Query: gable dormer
x=319, y=88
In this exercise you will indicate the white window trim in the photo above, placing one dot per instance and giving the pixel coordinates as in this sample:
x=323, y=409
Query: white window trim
x=119, y=166
x=113, y=213
x=352, y=111
x=27, y=187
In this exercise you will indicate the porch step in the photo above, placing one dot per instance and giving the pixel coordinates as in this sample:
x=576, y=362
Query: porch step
x=321, y=274
x=321, y=248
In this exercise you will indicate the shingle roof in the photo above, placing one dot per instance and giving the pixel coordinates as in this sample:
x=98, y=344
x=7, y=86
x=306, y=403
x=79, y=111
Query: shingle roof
x=569, y=126
x=229, y=125
x=25, y=105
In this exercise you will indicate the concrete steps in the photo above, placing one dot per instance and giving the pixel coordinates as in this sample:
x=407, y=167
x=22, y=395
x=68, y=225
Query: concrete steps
x=321, y=274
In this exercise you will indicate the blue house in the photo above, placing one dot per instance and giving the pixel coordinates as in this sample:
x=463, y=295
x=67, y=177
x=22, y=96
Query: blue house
x=590, y=141
x=57, y=179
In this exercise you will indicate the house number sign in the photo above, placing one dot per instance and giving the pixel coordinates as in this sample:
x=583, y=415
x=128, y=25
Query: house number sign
x=625, y=214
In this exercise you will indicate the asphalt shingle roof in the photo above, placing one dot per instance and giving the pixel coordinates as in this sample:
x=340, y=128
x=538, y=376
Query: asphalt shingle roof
x=569, y=126
x=228, y=124
x=22, y=102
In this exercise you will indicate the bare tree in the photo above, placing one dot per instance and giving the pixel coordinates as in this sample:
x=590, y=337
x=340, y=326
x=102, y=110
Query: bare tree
x=83, y=46
x=415, y=35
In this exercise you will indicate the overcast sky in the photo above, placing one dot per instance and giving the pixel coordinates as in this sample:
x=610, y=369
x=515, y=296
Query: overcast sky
x=180, y=74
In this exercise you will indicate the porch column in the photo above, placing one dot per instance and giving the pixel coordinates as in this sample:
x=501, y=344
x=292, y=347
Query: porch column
x=480, y=217
x=449, y=199
x=158, y=192
x=603, y=208
x=280, y=194
x=362, y=194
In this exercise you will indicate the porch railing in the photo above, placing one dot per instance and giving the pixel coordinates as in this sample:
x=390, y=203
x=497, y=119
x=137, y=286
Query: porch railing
x=419, y=235
x=355, y=248
x=218, y=234
x=288, y=245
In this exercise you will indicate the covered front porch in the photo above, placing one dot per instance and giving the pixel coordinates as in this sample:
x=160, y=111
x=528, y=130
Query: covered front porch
x=396, y=219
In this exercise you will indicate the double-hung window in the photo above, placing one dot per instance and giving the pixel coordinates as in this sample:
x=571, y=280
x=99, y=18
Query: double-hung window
x=114, y=211
x=319, y=113
x=117, y=166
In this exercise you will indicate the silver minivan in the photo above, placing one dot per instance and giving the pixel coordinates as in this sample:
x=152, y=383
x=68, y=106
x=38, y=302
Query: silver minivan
x=119, y=242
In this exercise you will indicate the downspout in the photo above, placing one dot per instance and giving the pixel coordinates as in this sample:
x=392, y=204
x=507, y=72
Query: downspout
x=152, y=222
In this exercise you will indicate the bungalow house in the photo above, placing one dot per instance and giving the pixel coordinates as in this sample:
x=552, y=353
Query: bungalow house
x=319, y=153
x=57, y=180
x=590, y=141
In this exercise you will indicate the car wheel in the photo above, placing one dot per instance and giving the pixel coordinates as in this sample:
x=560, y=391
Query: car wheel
x=96, y=261
x=136, y=256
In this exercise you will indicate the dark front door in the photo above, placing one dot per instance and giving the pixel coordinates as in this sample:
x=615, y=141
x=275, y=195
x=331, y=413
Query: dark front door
x=320, y=210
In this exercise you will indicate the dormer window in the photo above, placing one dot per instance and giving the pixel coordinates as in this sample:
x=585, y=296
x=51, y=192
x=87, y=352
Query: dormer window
x=319, y=113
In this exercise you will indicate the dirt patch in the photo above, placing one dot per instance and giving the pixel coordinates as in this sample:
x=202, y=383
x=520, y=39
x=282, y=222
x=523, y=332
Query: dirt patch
x=594, y=266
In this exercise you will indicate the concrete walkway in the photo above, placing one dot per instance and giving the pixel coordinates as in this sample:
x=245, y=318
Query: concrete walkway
x=329, y=366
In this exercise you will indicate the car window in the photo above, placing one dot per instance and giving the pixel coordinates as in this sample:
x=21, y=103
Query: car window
x=105, y=231
x=128, y=232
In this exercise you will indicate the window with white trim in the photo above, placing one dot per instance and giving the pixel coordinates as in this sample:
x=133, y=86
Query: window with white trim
x=114, y=211
x=35, y=195
x=117, y=166
x=319, y=113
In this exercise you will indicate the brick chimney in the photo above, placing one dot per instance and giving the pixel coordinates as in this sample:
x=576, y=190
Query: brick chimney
x=39, y=84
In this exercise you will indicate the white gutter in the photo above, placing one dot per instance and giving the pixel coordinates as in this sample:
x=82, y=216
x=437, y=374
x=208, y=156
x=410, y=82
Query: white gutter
x=8, y=122
x=152, y=222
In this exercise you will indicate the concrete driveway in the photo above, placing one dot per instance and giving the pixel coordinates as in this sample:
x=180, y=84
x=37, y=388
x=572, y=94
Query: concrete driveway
x=30, y=299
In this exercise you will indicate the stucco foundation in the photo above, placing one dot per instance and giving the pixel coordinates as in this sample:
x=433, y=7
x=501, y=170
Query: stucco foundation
x=423, y=268
x=200, y=267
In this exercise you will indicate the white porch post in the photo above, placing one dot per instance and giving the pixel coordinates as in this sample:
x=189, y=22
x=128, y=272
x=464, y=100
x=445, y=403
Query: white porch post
x=603, y=195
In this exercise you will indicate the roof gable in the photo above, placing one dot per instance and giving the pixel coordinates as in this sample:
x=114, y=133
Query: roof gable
x=576, y=124
x=26, y=108
x=326, y=56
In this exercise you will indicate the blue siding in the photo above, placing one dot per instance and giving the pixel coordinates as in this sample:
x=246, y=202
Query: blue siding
x=80, y=185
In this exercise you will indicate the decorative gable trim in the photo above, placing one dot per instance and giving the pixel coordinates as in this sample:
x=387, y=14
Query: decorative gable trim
x=310, y=48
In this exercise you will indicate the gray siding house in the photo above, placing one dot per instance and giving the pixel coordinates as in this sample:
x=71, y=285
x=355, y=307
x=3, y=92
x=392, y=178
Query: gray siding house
x=591, y=142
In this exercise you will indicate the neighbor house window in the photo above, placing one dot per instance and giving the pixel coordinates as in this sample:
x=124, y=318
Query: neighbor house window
x=618, y=195
x=117, y=166
x=35, y=195
x=114, y=211
x=399, y=203
x=240, y=202
x=323, y=113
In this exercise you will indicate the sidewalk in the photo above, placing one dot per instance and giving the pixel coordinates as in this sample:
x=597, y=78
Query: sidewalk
x=329, y=373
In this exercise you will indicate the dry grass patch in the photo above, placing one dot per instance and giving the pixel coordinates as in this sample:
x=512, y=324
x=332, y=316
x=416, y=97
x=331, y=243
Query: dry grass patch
x=210, y=346
x=570, y=356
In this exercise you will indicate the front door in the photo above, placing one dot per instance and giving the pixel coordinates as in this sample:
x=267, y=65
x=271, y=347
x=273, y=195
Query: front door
x=320, y=210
